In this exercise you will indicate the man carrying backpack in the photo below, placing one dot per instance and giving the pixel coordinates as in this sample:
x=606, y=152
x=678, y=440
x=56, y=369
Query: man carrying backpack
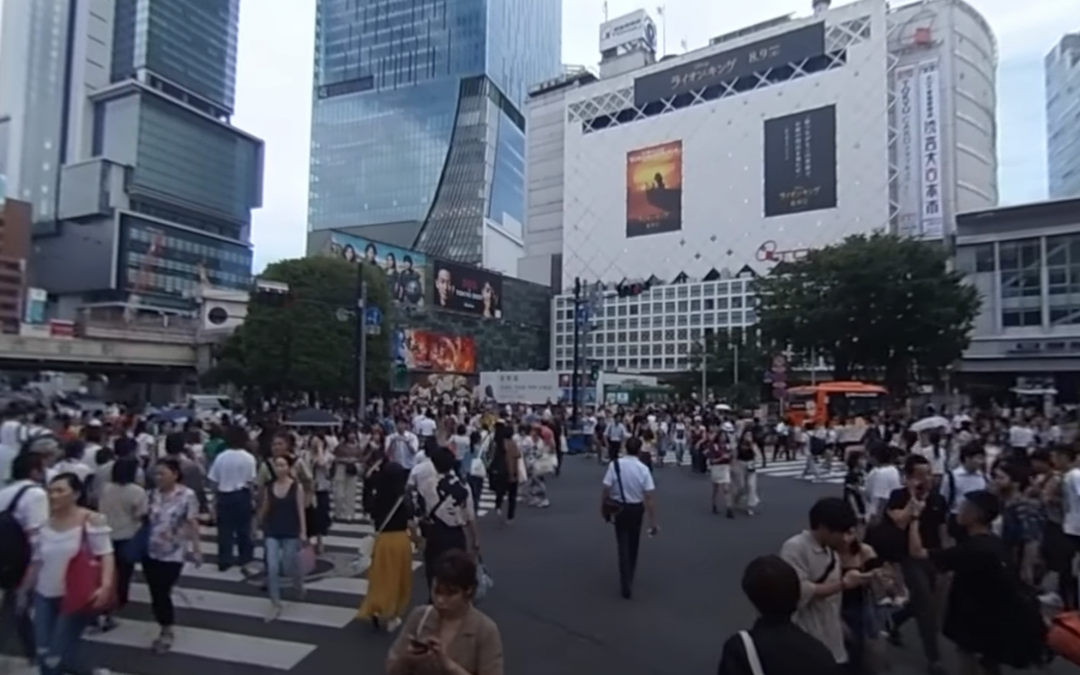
x=24, y=509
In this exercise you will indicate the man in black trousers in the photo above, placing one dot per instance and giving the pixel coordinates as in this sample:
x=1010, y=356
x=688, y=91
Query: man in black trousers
x=627, y=498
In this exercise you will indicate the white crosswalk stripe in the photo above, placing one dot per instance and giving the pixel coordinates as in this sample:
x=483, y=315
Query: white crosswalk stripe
x=220, y=614
x=784, y=469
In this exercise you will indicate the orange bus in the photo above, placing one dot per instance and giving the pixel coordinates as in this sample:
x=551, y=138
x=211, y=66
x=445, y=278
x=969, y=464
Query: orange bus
x=829, y=401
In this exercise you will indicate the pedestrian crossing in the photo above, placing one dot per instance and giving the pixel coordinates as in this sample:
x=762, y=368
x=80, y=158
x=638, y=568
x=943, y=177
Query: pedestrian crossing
x=221, y=626
x=794, y=468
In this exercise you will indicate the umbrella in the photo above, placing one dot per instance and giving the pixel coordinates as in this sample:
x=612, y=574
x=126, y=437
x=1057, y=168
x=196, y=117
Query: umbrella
x=723, y=407
x=929, y=423
x=313, y=417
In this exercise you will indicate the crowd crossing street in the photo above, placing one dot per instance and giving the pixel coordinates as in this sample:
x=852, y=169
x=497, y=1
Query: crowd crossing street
x=221, y=627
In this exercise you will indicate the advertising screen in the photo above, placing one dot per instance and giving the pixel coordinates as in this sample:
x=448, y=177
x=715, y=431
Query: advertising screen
x=405, y=270
x=800, y=162
x=421, y=350
x=654, y=180
x=470, y=290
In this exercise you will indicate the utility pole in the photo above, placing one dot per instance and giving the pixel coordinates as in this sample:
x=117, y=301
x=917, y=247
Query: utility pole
x=575, y=387
x=704, y=371
x=361, y=344
x=735, y=361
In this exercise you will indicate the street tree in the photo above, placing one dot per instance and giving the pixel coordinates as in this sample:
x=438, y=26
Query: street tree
x=734, y=363
x=305, y=341
x=873, y=306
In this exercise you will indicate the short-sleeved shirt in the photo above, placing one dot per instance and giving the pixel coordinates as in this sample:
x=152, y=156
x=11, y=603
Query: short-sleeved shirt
x=636, y=480
x=169, y=516
x=934, y=515
x=54, y=549
x=815, y=565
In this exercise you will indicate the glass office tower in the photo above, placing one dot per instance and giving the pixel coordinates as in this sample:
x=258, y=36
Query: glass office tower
x=1063, y=117
x=417, y=134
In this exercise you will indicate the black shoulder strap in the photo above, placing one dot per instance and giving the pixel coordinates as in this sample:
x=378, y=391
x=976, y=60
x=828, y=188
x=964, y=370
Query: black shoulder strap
x=618, y=477
x=15, y=501
x=828, y=569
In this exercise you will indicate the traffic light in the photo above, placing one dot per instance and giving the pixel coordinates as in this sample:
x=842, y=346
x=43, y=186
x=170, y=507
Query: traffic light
x=594, y=371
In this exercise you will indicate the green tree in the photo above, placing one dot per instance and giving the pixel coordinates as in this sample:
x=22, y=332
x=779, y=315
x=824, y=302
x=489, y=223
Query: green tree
x=734, y=364
x=299, y=344
x=874, y=306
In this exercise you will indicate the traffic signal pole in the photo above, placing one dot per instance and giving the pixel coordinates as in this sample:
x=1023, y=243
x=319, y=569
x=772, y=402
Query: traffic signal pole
x=575, y=387
x=361, y=344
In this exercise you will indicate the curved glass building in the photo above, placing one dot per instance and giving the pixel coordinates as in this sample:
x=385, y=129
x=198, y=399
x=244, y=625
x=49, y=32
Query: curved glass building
x=417, y=134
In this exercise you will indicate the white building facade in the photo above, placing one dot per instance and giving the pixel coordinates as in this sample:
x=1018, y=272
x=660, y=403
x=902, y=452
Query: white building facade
x=707, y=169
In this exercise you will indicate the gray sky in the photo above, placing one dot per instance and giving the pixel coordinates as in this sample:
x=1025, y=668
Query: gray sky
x=275, y=72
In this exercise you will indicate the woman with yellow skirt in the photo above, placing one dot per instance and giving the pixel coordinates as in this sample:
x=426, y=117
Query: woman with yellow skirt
x=390, y=578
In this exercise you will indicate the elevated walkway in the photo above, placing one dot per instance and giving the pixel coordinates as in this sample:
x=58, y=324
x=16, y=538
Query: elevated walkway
x=130, y=352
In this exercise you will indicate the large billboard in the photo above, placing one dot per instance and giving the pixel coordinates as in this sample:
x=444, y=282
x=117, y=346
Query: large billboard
x=427, y=351
x=917, y=91
x=470, y=290
x=635, y=27
x=800, y=162
x=654, y=184
x=406, y=270
x=726, y=67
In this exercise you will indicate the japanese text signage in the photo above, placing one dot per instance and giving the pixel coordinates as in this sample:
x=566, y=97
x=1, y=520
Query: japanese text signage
x=800, y=162
x=907, y=151
x=932, y=216
x=756, y=57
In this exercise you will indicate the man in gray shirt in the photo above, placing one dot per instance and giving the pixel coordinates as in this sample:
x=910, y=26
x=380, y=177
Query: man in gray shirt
x=813, y=554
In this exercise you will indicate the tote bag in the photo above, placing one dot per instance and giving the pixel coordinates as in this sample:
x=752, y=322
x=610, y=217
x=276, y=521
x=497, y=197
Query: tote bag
x=82, y=580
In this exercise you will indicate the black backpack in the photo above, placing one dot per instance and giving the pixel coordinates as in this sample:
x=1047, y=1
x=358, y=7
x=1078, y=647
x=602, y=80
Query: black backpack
x=14, y=545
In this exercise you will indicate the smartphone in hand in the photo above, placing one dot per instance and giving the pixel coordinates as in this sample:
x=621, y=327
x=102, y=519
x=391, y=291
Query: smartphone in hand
x=417, y=646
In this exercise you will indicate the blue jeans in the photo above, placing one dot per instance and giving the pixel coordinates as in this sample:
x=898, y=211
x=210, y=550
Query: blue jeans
x=476, y=486
x=282, y=555
x=58, y=636
x=234, y=514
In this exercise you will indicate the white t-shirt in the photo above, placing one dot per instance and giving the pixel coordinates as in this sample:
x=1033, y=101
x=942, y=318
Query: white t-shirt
x=33, y=508
x=880, y=483
x=425, y=427
x=233, y=470
x=54, y=550
x=937, y=464
x=89, y=457
x=1071, y=487
x=636, y=480
x=1021, y=436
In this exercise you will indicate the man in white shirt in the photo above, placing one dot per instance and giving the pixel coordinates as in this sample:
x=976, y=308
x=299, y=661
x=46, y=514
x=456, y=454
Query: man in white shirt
x=424, y=425
x=31, y=512
x=402, y=446
x=881, y=481
x=233, y=474
x=626, y=499
x=970, y=476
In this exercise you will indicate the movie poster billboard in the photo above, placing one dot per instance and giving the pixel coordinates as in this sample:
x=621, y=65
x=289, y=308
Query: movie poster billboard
x=406, y=270
x=470, y=290
x=427, y=351
x=800, y=162
x=654, y=181
x=441, y=387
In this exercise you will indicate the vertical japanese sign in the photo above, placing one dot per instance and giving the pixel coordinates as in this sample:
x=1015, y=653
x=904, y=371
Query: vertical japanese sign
x=931, y=217
x=908, y=184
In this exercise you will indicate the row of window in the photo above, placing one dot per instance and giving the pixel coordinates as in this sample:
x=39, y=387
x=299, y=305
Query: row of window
x=713, y=289
x=670, y=364
x=720, y=319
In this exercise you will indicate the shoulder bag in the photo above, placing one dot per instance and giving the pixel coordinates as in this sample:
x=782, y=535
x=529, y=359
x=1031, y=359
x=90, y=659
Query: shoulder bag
x=366, y=552
x=82, y=579
x=752, y=657
x=612, y=507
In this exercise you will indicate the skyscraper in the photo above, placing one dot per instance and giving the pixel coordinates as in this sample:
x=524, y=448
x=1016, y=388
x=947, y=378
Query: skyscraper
x=1063, y=117
x=417, y=131
x=119, y=136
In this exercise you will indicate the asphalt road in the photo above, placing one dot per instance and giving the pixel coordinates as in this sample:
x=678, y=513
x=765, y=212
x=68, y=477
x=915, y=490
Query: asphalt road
x=556, y=597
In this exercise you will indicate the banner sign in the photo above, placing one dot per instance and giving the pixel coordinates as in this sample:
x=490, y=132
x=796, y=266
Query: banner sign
x=427, y=351
x=800, y=162
x=470, y=290
x=908, y=184
x=756, y=57
x=931, y=220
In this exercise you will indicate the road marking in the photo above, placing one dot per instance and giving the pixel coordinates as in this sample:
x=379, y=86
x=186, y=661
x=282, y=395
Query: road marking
x=210, y=644
x=252, y=606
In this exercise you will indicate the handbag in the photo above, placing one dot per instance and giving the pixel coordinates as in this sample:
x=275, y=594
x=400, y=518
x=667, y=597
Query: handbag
x=82, y=579
x=752, y=657
x=306, y=560
x=484, y=582
x=366, y=549
x=545, y=464
x=612, y=507
x=477, y=468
